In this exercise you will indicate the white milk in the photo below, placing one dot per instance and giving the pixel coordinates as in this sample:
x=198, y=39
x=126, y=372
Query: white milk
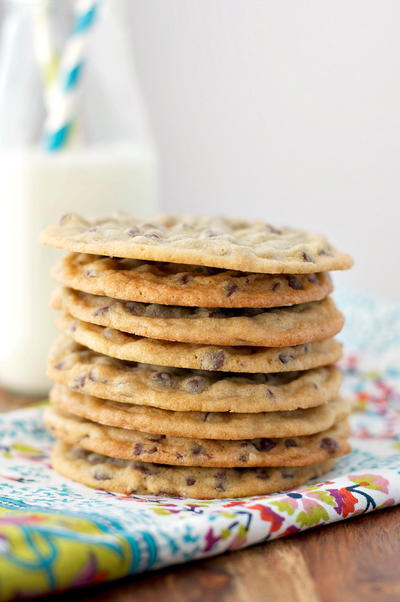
x=35, y=190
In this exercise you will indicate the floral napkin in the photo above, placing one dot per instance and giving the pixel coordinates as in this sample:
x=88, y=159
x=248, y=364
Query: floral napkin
x=56, y=534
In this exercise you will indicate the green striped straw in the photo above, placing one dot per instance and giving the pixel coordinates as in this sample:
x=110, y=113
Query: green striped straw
x=63, y=102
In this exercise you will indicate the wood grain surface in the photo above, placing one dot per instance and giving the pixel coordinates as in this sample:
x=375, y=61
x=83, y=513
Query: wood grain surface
x=351, y=561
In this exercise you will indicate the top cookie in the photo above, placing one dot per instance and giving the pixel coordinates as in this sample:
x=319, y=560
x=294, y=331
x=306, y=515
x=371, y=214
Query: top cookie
x=216, y=242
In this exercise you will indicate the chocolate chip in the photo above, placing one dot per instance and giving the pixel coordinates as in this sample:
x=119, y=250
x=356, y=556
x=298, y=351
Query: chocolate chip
x=220, y=477
x=287, y=475
x=133, y=308
x=276, y=286
x=179, y=456
x=197, y=450
x=92, y=229
x=244, y=458
x=152, y=236
x=101, y=475
x=270, y=393
x=196, y=384
x=137, y=450
x=163, y=379
x=72, y=327
x=305, y=348
x=324, y=252
x=307, y=257
x=59, y=366
x=95, y=458
x=90, y=273
x=291, y=443
x=78, y=453
x=205, y=417
x=262, y=473
x=264, y=444
x=142, y=468
x=285, y=357
x=133, y=231
x=190, y=481
x=211, y=234
x=78, y=382
x=101, y=310
x=213, y=360
x=294, y=282
x=184, y=279
x=313, y=279
x=230, y=288
x=329, y=445
x=152, y=450
x=273, y=229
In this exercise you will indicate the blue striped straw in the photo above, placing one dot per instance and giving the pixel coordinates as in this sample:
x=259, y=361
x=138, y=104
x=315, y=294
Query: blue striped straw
x=59, y=123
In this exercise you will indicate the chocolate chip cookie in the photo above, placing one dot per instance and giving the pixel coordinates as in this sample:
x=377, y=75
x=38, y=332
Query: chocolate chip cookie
x=125, y=346
x=186, y=285
x=271, y=327
x=233, y=244
x=163, y=449
x=206, y=425
x=86, y=371
x=145, y=478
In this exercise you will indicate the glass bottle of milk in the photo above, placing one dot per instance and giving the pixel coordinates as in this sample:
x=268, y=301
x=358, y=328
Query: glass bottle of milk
x=109, y=164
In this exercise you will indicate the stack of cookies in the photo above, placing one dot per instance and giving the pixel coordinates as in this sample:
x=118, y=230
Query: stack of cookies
x=196, y=356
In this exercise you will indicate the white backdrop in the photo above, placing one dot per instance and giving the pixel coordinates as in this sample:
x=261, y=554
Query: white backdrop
x=287, y=110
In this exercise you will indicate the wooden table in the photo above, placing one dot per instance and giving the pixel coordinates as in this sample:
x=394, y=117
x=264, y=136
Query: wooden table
x=353, y=561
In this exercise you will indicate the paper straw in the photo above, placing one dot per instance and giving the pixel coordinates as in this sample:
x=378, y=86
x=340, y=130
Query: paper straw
x=47, y=56
x=62, y=112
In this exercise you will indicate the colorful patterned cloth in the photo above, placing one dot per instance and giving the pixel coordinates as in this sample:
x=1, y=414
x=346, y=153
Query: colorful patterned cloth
x=55, y=534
